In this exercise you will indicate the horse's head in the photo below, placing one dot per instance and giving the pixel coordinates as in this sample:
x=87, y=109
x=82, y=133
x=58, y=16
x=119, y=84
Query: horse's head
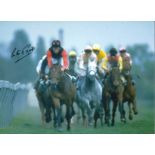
x=91, y=70
x=55, y=73
x=115, y=76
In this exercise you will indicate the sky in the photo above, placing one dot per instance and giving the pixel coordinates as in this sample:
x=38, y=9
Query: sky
x=79, y=34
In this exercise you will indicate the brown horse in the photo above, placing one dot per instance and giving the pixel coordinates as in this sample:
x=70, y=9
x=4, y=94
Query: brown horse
x=45, y=105
x=129, y=95
x=113, y=91
x=62, y=91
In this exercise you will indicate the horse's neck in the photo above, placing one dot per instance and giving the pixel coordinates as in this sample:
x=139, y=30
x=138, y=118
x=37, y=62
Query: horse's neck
x=61, y=81
x=72, y=66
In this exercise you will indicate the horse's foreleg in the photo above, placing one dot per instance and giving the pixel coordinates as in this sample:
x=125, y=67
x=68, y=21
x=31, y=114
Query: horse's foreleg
x=57, y=112
x=122, y=111
x=78, y=113
x=84, y=117
x=41, y=107
x=95, y=118
x=69, y=116
x=106, y=106
x=130, y=111
x=135, y=107
x=101, y=113
x=113, y=113
x=90, y=115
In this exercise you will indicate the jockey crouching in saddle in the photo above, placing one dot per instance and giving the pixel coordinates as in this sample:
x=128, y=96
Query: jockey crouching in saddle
x=55, y=55
x=101, y=55
x=113, y=57
x=73, y=65
x=127, y=62
x=84, y=59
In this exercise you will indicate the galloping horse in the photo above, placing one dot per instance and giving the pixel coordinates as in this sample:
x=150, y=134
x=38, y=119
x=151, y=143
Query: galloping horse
x=129, y=95
x=61, y=90
x=113, y=91
x=89, y=96
x=44, y=101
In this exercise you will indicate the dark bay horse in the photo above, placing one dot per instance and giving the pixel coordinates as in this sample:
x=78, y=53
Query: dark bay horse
x=62, y=91
x=129, y=94
x=113, y=91
x=45, y=103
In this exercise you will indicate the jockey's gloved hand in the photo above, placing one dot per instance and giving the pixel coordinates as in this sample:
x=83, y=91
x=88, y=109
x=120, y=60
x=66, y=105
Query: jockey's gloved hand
x=74, y=79
x=63, y=68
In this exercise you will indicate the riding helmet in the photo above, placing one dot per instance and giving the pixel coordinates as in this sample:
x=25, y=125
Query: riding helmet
x=72, y=54
x=113, y=51
x=56, y=43
x=88, y=49
x=122, y=49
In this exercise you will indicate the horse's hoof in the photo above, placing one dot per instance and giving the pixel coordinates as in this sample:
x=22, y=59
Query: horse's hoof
x=123, y=120
x=90, y=124
x=68, y=128
x=130, y=117
x=59, y=129
x=135, y=112
x=112, y=124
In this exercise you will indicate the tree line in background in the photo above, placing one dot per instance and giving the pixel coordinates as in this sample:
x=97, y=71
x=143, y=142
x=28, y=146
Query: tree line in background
x=25, y=70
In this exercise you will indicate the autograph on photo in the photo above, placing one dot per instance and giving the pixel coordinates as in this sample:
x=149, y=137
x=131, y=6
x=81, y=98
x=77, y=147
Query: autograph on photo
x=19, y=54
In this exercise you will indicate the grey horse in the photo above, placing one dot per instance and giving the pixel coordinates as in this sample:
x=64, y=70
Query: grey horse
x=89, y=96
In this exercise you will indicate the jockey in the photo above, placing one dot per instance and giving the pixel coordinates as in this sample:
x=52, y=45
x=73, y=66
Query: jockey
x=57, y=55
x=112, y=58
x=72, y=59
x=72, y=62
x=101, y=55
x=41, y=70
x=84, y=59
x=126, y=58
x=127, y=62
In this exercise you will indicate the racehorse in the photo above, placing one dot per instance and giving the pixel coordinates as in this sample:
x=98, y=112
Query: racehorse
x=89, y=95
x=113, y=91
x=44, y=101
x=62, y=91
x=129, y=94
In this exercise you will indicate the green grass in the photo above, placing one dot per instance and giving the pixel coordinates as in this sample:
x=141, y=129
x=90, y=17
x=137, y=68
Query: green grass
x=29, y=122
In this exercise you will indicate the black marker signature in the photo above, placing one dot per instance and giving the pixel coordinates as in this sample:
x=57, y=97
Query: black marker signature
x=19, y=54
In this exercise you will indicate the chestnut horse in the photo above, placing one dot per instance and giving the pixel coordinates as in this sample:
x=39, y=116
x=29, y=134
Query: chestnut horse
x=129, y=95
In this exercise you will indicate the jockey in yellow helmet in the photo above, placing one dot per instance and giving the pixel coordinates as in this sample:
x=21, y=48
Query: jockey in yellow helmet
x=73, y=63
x=72, y=53
x=72, y=57
x=101, y=55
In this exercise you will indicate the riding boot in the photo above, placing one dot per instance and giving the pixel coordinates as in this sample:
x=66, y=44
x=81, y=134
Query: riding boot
x=36, y=83
x=105, y=77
